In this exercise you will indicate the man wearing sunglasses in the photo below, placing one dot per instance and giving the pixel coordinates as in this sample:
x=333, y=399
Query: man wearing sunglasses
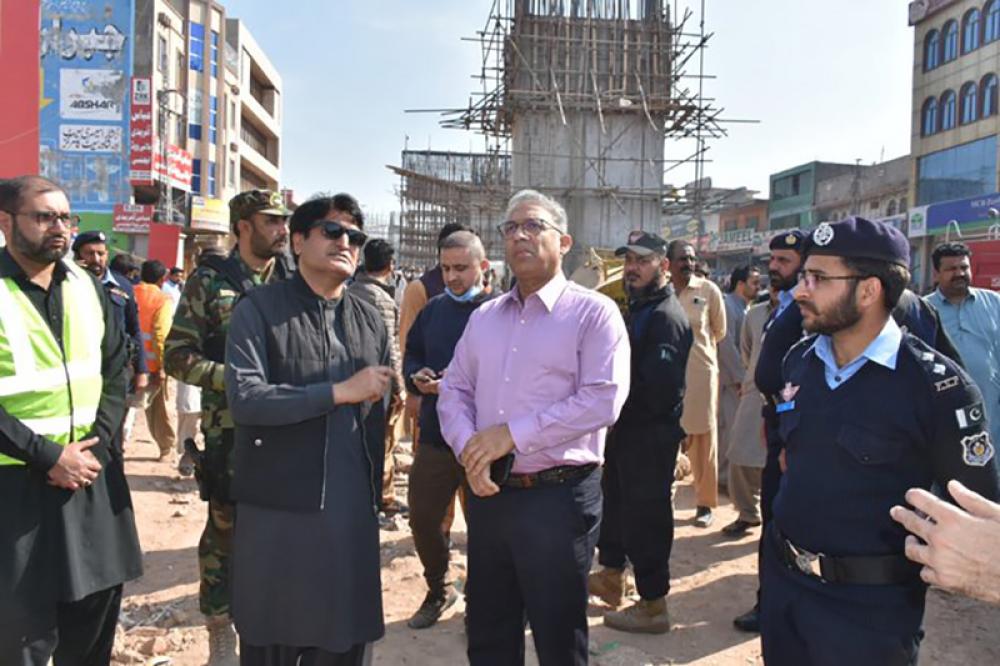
x=538, y=376
x=67, y=532
x=867, y=411
x=308, y=376
x=194, y=353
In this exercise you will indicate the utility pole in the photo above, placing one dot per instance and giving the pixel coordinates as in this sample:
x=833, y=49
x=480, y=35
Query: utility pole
x=166, y=111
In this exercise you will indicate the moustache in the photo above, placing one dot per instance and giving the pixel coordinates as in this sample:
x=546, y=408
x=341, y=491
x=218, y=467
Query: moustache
x=806, y=306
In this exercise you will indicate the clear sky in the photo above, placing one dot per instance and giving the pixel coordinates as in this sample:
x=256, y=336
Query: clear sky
x=827, y=81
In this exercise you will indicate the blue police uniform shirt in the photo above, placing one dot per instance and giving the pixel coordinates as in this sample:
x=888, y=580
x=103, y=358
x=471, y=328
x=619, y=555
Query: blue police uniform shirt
x=974, y=328
x=855, y=447
x=785, y=298
x=883, y=350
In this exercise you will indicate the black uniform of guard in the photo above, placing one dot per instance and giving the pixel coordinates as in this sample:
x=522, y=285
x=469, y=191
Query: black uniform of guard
x=641, y=452
x=66, y=554
x=836, y=587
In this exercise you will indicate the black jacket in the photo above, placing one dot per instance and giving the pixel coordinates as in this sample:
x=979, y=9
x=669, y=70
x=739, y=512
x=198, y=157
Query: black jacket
x=661, y=339
x=280, y=392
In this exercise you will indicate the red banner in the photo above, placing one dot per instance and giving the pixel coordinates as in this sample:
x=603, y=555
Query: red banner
x=140, y=129
x=131, y=219
x=178, y=169
x=19, y=80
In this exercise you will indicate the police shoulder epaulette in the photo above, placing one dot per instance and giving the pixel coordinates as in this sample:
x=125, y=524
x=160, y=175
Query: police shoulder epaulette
x=937, y=366
x=118, y=291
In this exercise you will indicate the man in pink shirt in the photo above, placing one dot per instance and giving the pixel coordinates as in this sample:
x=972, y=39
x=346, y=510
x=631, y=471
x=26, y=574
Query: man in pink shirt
x=537, y=377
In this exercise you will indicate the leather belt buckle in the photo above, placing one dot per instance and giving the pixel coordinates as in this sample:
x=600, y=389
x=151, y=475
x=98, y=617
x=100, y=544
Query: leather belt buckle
x=805, y=561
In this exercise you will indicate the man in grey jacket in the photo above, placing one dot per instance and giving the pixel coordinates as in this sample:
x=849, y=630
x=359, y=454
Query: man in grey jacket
x=307, y=377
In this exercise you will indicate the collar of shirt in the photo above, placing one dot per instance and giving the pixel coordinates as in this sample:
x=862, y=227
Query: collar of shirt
x=548, y=294
x=944, y=301
x=785, y=298
x=11, y=269
x=109, y=278
x=884, y=350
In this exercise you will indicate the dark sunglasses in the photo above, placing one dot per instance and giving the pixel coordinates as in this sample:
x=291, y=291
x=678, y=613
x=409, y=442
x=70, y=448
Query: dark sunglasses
x=334, y=231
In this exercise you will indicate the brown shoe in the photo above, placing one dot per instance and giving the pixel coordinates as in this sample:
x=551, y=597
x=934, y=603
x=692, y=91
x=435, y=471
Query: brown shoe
x=611, y=585
x=642, y=617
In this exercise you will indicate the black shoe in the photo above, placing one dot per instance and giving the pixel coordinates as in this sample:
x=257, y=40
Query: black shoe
x=435, y=604
x=395, y=507
x=703, y=517
x=738, y=527
x=749, y=621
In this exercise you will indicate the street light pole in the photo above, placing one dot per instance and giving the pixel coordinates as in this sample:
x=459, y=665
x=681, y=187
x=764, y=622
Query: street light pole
x=166, y=111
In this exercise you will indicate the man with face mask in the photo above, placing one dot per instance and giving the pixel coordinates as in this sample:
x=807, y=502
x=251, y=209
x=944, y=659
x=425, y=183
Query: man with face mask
x=866, y=412
x=436, y=475
x=67, y=533
x=637, y=519
x=308, y=378
x=194, y=353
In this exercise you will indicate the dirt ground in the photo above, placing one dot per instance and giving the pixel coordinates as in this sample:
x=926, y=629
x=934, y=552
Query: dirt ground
x=713, y=580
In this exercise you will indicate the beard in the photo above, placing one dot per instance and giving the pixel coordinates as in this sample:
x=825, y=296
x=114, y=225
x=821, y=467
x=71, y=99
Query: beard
x=843, y=314
x=43, y=252
x=262, y=248
x=640, y=293
x=782, y=283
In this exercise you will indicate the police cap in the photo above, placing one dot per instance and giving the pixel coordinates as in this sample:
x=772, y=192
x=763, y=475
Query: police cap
x=245, y=204
x=87, y=237
x=643, y=243
x=788, y=240
x=858, y=238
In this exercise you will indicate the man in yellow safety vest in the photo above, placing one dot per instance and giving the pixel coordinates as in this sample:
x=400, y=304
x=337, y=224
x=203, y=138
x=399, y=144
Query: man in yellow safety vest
x=67, y=529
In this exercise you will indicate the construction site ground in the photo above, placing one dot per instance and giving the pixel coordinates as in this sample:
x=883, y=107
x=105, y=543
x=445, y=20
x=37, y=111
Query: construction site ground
x=713, y=580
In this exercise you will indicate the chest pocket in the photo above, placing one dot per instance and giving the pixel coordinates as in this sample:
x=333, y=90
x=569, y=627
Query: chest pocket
x=867, y=447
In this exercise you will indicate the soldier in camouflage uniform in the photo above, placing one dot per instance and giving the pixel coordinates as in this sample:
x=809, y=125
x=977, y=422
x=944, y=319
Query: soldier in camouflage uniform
x=195, y=353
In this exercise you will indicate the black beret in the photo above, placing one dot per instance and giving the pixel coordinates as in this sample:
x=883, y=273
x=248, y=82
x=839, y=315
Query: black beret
x=790, y=240
x=858, y=238
x=86, y=237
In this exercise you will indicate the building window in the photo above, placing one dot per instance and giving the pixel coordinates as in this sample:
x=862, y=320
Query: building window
x=950, y=41
x=890, y=210
x=902, y=204
x=161, y=54
x=194, y=131
x=232, y=114
x=197, y=47
x=970, y=31
x=960, y=172
x=970, y=103
x=232, y=173
x=211, y=179
x=948, y=110
x=215, y=54
x=988, y=90
x=753, y=223
x=932, y=50
x=930, y=117
x=991, y=31
x=213, y=119
x=196, y=176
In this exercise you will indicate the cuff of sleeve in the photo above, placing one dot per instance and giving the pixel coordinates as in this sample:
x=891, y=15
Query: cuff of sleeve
x=461, y=441
x=47, y=454
x=320, y=397
x=219, y=377
x=524, y=432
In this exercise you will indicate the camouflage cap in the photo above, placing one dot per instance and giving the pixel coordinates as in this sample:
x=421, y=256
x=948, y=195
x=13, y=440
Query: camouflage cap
x=245, y=204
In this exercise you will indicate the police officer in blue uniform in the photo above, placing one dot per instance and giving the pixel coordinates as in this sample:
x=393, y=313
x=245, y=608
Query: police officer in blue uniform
x=90, y=250
x=866, y=412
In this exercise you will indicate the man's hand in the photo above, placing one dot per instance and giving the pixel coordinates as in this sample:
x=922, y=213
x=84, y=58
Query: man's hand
x=370, y=383
x=141, y=382
x=483, y=448
x=961, y=546
x=426, y=381
x=77, y=467
x=482, y=485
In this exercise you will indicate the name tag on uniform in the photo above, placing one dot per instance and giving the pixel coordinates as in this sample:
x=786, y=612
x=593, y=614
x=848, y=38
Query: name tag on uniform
x=785, y=407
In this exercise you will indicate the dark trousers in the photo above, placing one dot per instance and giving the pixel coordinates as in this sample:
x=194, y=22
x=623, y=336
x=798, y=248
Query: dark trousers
x=806, y=621
x=770, y=482
x=637, y=520
x=530, y=551
x=84, y=634
x=286, y=655
x=435, y=477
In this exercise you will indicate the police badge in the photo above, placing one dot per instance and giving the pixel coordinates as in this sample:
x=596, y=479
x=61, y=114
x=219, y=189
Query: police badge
x=977, y=450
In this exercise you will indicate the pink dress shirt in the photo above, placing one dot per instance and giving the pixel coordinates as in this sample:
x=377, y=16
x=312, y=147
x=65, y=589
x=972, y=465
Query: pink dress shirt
x=554, y=368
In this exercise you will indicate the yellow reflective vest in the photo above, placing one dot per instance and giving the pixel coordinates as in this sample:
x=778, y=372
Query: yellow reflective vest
x=53, y=390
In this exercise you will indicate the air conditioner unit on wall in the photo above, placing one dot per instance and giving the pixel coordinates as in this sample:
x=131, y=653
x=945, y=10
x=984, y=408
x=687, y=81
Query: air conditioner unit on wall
x=163, y=19
x=234, y=147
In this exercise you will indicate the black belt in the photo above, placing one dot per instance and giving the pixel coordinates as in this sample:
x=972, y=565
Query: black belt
x=553, y=476
x=867, y=570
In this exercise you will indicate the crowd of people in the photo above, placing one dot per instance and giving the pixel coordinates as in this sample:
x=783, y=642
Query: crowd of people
x=850, y=420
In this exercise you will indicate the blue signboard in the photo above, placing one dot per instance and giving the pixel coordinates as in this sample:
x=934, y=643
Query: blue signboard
x=970, y=214
x=86, y=64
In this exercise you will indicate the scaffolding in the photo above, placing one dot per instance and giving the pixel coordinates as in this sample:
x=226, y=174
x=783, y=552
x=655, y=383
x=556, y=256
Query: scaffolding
x=581, y=95
x=437, y=188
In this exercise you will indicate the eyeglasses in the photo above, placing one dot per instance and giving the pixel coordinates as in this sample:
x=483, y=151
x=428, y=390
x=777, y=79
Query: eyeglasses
x=48, y=218
x=335, y=230
x=811, y=280
x=531, y=226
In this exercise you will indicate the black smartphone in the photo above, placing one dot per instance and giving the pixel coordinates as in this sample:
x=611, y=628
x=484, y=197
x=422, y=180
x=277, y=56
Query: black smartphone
x=500, y=469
